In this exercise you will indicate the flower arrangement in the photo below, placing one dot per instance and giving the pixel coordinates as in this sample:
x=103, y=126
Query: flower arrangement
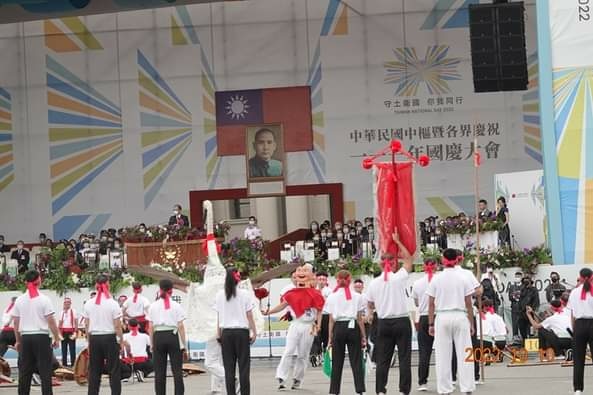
x=467, y=225
x=156, y=233
x=248, y=256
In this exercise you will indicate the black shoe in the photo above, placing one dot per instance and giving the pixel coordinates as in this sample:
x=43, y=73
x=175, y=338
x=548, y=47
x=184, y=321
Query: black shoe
x=296, y=384
x=281, y=385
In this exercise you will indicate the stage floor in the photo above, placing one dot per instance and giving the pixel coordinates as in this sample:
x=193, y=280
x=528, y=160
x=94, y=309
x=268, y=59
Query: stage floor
x=541, y=380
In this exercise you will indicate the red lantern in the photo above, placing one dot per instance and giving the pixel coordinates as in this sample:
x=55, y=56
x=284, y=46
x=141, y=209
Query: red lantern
x=423, y=160
x=396, y=146
x=367, y=163
x=261, y=293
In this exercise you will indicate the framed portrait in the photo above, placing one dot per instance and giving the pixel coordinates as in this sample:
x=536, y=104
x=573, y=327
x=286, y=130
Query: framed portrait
x=265, y=160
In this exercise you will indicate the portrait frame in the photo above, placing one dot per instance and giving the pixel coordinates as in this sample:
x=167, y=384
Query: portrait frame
x=259, y=184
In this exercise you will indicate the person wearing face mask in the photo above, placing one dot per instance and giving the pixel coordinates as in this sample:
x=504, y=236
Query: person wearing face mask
x=43, y=239
x=21, y=256
x=554, y=290
x=252, y=231
x=529, y=298
x=514, y=293
x=338, y=226
x=177, y=218
x=313, y=230
x=3, y=247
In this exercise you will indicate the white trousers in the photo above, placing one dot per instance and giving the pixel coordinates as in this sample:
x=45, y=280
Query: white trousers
x=213, y=364
x=453, y=327
x=298, y=346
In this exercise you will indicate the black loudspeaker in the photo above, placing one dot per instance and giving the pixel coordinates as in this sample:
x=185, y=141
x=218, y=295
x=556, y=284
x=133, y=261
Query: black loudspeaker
x=499, y=58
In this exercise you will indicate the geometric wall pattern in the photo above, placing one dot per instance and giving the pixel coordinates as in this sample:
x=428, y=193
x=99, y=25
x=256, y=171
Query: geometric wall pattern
x=6, y=145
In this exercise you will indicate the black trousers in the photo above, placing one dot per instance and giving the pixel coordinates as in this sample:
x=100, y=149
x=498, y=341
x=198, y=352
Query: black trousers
x=344, y=337
x=68, y=344
x=35, y=356
x=524, y=326
x=7, y=338
x=320, y=341
x=425, y=342
x=392, y=332
x=548, y=339
x=515, y=315
x=104, y=354
x=583, y=336
x=166, y=343
x=374, y=329
x=236, y=350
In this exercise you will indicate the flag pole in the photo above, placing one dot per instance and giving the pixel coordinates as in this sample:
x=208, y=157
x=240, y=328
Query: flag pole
x=478, y=268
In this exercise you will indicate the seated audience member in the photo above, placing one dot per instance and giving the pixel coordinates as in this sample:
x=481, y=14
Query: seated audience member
x=22, y=256
x=3, y=247
x=553, y=331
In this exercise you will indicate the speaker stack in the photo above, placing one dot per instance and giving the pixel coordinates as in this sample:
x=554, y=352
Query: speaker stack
x=499, y=59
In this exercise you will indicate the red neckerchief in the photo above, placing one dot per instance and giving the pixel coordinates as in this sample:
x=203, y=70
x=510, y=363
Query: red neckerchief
x=134, y=330
x=429, y=270
x=166, y=296
x=583, y=292
x=102, y=289
x=558, y=310
x=71, y=318
x=237, y=277
x=302, y=299
x=136, y=292
x=32, y=287
x=346, y=287
x=386, y=269
x=10, y=306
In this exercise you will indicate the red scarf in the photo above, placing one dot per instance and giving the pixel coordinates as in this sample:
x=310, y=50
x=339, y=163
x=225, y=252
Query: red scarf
x=134, y=330
x=429, y=270
x=448, y=263
x=237, y=277
x=71, y=319
x=488, y=310
x=10, y=306
x=583, y=292
x=558, y=310
x=136, y=292
x=386, y=269
x=166, y=295
x=346, y=287
x=102, y=289
x=302, y=299
x=32, y=287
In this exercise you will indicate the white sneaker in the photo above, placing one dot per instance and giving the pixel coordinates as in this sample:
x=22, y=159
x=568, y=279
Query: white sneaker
x=140, y=376
x=423, y=388
x=479, y=382
x=578, y=393
x=36, y=379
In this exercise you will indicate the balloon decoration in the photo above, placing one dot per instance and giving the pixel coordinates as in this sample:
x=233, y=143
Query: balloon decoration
x=395, y=205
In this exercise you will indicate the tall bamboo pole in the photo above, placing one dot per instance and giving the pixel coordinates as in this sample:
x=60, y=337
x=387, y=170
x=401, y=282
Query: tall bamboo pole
x=478, y=268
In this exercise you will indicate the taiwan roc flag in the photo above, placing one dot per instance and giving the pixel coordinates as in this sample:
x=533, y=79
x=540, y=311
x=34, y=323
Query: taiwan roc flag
x=236, y=110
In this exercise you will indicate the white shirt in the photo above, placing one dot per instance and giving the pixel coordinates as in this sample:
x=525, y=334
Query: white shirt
x=557, y=323
x=136, y=309
x=7, y=316
x=389, y=296
x=233, y=313
x=449, y=290
x=252, y=232
x=493, y=326
x=138, y=344
x=100, y=317
x=159, y=316
x=325, y=292
x=419, y=294
x=469, y=276
x=68, y=318
x=340, y=308
x=580, y=308
x=33, y=312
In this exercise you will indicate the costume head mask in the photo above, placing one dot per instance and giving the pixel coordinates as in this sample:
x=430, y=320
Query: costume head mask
x=304, y=277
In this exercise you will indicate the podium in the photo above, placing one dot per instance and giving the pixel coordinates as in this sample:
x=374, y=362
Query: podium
x=171, y=252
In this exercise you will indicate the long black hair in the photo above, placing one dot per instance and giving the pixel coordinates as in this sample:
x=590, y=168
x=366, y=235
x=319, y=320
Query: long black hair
x=230, y=283
x=586, y=274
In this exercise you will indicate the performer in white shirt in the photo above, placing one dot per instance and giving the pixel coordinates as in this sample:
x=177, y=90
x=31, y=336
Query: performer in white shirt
x=68, y=329
x=104, y=333
x=346, y=329
x=387, y=296
x=494, y=330
x=236, y=329
x=252, y=232
x=137, y=307
x=7, y=336
x=425, y=340
x=450, y=298
x=167, y=335
x=34, y=319
x=136, y=346
x=581, y=304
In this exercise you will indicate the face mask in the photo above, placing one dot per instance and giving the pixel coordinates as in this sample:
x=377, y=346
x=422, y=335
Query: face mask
x=116, y=246
x=359, y=229
x=142, y=230
x=489, y=270
x=338, y=227
x=20, y=246
x=555, y=279
x=324, y=235
x=518, y=279
x=346, y=229
x=251, y=223
x=313, y=227
x=340, y=236
x=330, y=234
x=316, y=238
x=104, y=238
x=86, y=245
x=176, y=212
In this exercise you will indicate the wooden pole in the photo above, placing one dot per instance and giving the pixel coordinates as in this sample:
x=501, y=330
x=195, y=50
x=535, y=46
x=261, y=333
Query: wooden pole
x=478, y=268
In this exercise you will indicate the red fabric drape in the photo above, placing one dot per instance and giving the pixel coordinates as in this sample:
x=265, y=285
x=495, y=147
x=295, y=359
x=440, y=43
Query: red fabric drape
x=395, y=206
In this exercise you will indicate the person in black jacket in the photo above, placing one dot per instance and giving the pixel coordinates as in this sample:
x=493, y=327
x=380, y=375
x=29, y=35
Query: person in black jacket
x=3, y=247
x=177, y=218
x=22, y=256
x=529, y=297
x=514, y=293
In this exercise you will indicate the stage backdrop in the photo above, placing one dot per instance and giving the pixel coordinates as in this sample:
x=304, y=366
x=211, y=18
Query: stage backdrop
x=566, y=46
x=524, y=193
x=109, y=120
